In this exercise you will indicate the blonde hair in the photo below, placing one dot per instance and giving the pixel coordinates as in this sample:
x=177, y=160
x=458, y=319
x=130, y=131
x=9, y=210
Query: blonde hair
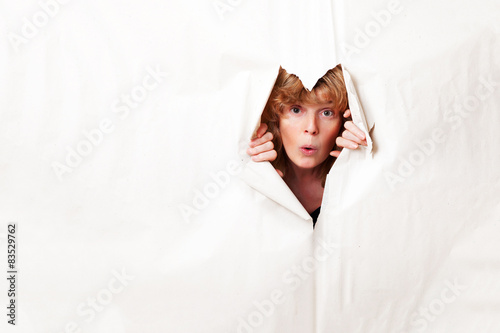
x=289, y=90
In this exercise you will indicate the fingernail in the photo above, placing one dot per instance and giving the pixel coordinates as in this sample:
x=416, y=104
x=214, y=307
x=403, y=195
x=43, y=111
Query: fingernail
x=353, y=145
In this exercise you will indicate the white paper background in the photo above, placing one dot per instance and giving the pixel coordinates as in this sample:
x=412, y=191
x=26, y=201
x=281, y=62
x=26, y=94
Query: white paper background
x=394, y=245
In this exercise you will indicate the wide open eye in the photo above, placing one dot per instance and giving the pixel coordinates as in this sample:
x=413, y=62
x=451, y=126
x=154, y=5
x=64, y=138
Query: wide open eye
x=328, y=113
x=295, y=110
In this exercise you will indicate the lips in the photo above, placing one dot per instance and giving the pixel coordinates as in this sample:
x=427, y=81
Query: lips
x=308, y=150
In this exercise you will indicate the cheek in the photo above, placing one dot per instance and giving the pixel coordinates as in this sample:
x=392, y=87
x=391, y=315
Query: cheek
x=287, y=133
x=333, y=132
x=287, y=140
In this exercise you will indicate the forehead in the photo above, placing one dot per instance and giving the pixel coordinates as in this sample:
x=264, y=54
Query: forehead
x=315, y=105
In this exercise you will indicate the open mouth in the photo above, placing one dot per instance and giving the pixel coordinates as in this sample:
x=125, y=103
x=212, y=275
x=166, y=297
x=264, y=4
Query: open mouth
x=308, y=150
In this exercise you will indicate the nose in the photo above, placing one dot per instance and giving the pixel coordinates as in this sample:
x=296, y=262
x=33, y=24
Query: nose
x=311, y=126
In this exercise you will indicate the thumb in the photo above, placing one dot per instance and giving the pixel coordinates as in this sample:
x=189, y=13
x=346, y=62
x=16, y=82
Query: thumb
x=279, y=173
x=335, y=153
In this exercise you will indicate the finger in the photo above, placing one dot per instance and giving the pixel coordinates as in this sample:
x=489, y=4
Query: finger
x=258, y=141
x=343, y=142
x=351, y=137
x=347, y=113
x=349, y=125
x=266, y=156
x=279, y=173
x=261, y=130
x=261, y=148
x=335, y=153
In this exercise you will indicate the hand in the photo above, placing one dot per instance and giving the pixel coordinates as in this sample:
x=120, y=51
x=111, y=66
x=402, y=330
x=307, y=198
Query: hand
x=351, y=138
x=262, y=147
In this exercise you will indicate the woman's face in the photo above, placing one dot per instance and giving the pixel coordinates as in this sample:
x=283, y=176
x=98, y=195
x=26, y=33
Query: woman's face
x=308, y=132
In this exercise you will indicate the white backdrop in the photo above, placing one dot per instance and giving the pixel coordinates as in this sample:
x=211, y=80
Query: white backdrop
x=123, y=126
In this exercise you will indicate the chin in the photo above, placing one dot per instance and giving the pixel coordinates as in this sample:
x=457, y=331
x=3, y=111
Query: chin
x=307, y=164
